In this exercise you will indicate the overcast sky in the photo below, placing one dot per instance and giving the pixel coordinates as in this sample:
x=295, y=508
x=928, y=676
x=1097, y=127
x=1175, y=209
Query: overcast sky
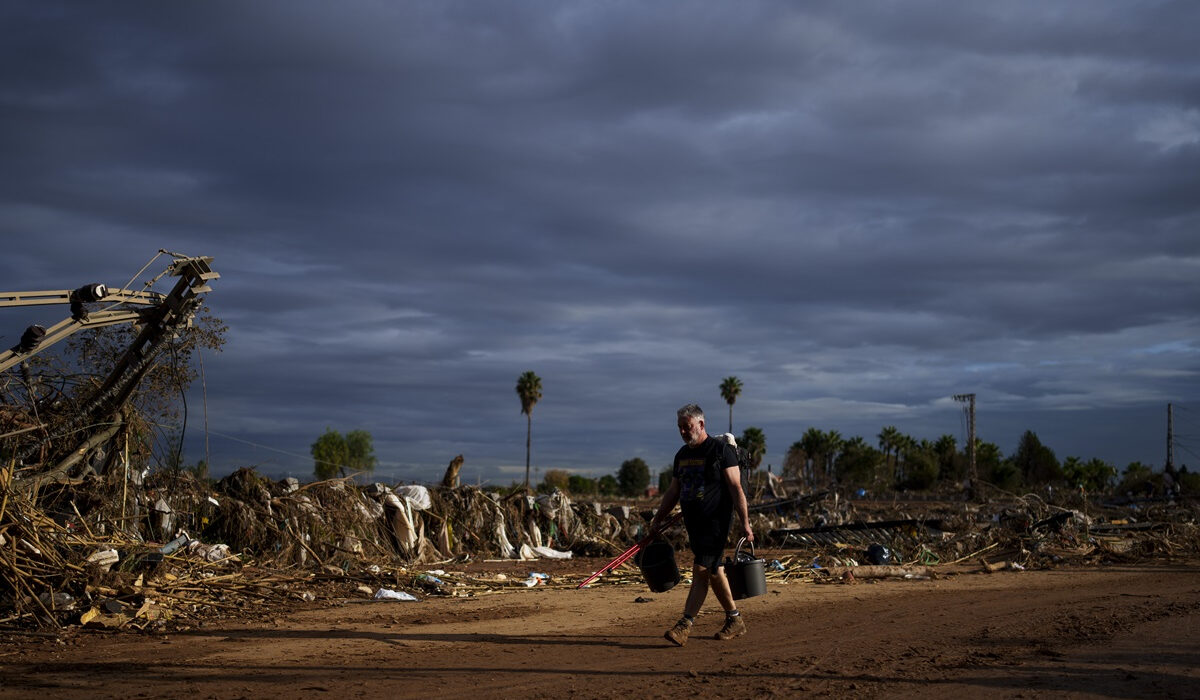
x=859, y=209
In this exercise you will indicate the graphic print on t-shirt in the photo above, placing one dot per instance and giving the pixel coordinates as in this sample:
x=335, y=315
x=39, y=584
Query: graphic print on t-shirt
x=691, y=478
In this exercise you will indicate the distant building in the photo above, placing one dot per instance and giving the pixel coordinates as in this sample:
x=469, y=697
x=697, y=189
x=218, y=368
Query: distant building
x=651, y=492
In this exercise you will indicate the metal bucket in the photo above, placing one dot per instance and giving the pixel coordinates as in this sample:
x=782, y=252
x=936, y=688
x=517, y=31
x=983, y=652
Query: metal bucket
x=747, y=574
x=657, y=562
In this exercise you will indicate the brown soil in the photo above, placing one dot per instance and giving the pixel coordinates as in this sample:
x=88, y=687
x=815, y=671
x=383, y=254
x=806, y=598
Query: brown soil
x=1125, y=631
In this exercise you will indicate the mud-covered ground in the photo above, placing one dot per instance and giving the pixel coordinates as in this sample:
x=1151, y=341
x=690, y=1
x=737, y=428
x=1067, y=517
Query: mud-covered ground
x=1104, y=632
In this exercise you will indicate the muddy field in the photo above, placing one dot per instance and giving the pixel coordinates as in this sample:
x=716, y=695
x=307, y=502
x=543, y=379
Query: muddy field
x=1118, y=631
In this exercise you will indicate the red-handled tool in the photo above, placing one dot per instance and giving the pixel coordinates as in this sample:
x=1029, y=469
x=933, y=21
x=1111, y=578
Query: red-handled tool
x=628, y=554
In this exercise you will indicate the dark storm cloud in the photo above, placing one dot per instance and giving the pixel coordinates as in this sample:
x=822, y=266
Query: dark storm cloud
x=857, y=209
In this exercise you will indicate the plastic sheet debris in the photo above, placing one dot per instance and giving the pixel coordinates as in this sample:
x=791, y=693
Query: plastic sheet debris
x=549, y=553
x=389, y=594
x=417, y=496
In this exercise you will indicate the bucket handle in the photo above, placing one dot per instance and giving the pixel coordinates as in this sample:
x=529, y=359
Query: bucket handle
x=738, y=551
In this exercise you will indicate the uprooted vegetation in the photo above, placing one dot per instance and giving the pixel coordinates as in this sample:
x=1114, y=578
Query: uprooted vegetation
x=147, y=553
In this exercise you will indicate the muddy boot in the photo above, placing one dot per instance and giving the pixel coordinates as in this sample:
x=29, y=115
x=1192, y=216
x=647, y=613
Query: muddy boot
x=678, y=634
x=734, y=627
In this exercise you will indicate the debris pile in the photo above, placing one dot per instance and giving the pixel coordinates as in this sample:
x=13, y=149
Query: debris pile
x=114, y=551
x=1003, y=532
x=143, y=551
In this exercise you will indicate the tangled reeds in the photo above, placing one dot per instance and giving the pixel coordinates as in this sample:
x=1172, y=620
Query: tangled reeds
x=111, y=550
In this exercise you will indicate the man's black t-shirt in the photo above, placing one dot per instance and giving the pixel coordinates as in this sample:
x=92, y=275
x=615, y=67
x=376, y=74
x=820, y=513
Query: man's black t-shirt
x=704, y=496
x=699, y=470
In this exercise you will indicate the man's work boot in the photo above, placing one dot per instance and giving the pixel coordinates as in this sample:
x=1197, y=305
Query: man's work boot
x=734, y=627
x=678, y=634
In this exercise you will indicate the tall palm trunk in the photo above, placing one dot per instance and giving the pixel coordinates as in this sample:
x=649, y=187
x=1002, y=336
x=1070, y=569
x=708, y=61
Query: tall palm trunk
x=528, y=439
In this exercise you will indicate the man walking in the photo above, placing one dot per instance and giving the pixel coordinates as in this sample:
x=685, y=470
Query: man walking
x=706, y=483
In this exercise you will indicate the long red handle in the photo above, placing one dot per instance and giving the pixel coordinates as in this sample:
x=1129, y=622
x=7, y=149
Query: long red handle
x=628, y=554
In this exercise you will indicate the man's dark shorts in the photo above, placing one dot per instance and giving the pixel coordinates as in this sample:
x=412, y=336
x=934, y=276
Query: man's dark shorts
x=708, y=535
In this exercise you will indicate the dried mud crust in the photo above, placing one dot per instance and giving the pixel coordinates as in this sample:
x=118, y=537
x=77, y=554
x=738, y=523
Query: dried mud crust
x=1110, y=632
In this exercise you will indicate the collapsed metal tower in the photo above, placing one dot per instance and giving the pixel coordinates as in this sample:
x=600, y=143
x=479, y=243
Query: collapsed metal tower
x=158, y=317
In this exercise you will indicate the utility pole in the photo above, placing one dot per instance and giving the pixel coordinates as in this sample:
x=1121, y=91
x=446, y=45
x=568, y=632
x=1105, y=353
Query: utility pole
x=1170, y=468
x=970, y=400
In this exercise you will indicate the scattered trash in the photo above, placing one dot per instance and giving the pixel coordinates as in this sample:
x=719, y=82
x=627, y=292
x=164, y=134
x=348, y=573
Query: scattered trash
x=104, y=558
x=389, y=594
x=417, y=496
x=180, y=541
x=879, y=555
x=548, y=553
x=57, y=600
x=209, y=552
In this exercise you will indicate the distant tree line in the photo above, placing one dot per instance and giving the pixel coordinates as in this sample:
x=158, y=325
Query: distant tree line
x=824, y=458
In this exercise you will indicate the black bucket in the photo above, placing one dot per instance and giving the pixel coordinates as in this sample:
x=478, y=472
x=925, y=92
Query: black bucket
x=657, y=561
x=747, y=575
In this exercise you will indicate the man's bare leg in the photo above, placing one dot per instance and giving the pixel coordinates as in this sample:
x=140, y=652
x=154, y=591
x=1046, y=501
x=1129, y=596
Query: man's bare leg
x=735, y=626
x=699, y=590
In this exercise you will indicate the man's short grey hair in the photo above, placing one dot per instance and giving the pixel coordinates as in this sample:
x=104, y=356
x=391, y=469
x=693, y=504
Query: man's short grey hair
x=691, y=411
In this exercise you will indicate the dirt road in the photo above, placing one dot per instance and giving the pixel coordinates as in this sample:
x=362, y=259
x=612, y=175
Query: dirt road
x=1097, y=632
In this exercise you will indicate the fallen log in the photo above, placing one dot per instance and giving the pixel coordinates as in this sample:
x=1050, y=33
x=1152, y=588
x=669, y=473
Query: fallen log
x=859, y=572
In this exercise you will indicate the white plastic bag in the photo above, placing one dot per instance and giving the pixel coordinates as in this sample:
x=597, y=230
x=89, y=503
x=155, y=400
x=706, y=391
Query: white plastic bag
x=417, y=496
x=389, y=594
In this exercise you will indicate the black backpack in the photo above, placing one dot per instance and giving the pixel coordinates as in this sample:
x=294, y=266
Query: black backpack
x=745, y=464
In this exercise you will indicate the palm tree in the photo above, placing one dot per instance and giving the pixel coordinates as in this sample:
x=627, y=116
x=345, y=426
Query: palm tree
x=946, y=448
x=730, y=388
x=831, y=444
x=905, y=444
x=811, y=443
x=754, y=441
x=889, y=441
x=529, y=388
